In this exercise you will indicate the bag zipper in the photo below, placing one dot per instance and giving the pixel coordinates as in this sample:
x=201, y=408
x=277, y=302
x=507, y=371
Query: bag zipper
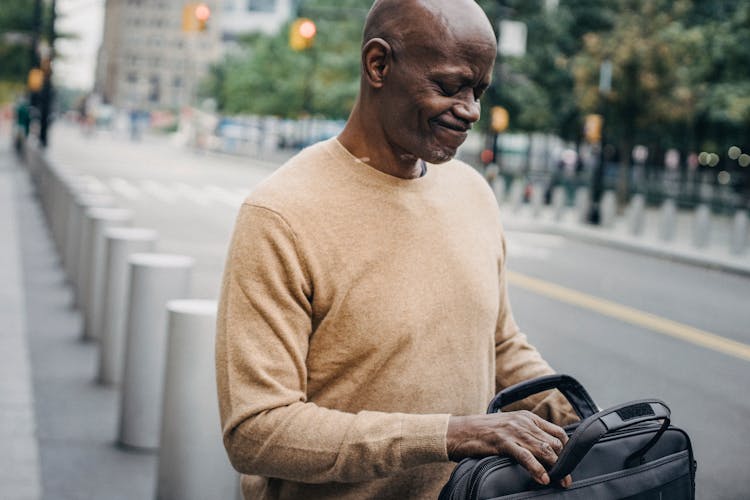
x=481, y=469
x=488, y=463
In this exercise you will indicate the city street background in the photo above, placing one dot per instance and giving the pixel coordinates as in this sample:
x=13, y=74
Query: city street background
x=191, y=199
x=178, y=109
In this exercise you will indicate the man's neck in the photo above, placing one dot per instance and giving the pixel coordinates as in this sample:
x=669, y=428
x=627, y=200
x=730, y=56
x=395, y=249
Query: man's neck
x=372, y=147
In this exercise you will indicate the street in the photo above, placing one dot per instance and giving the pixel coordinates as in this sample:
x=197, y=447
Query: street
x=191, y=199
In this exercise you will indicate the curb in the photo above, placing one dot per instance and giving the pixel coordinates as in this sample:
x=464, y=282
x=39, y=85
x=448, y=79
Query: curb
x=663, y=250
x=19, y=463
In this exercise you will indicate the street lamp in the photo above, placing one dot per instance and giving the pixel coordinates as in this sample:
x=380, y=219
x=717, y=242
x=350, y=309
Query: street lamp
x=597, y=180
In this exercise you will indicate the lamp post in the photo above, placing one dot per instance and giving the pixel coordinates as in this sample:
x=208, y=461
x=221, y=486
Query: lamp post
x=41, y=92
x=598, y=137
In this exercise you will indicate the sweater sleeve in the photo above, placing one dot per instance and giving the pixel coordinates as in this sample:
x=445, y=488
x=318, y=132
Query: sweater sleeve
x=516, y=360
x=263, y=328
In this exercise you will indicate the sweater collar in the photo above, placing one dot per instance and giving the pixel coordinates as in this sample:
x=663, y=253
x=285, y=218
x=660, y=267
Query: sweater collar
x=357, y=168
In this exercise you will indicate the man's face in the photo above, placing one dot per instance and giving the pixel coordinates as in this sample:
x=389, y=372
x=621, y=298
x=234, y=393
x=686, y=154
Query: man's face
x=431, y=98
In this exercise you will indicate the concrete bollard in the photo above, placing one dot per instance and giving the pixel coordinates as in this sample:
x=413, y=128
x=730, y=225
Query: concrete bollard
x=56, y=215
x=582, y=203
x=498, y=186
x=66, y=187
x=75, y=187
x=608, y=209
x=701, y=226
x=75, y=251
x=738, y=238
x=120, y=244
x=516, y=194
x=537, y=199
x=637, y=215
x=559, y=201
x=193, y=464
x=98, y=219
x=44, y=187
x=155, y=279
x=668, y=220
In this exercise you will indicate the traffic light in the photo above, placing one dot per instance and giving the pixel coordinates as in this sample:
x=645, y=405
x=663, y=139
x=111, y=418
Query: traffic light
x=195, y=17
x=592, y=128
x=35, y=80
x=499, y=119
x=302, y=34
x=202, y=13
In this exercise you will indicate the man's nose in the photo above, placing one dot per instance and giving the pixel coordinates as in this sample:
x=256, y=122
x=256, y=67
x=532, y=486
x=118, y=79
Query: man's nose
x=468, y=107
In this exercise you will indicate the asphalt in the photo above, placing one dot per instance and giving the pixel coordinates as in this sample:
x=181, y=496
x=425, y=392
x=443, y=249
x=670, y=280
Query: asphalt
x=57, y=424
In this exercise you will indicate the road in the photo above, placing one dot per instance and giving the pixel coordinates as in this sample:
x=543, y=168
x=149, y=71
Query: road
x=628, y=326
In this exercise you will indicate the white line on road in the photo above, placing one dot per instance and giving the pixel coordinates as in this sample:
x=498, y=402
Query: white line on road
x=193, y=194
x=226, y=196
x=159, y=192
x=93, y=184
x=125, y=188
x=532, y=245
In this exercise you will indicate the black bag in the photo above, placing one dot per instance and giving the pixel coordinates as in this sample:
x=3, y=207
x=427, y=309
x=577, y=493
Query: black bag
x=622, y=452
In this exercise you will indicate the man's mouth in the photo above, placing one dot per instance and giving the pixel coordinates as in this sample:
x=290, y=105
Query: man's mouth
x=453, y=125
x=449, y=133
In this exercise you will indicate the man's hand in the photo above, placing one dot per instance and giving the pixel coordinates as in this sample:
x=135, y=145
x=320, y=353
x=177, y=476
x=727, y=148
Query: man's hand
x=528, y=438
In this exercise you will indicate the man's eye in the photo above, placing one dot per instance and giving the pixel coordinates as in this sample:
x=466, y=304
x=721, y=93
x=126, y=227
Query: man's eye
x=447, y=90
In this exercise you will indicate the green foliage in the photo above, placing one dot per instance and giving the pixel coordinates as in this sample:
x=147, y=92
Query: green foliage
x=16, y=16
x=538, y=89
x=267, y=77
x=16, y=24
x=680, y=71
x=646, y=46
x=17, y=27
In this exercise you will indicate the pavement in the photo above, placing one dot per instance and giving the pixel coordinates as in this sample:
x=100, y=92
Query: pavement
x=715, y=255
x=19, y=461
x=57, y=424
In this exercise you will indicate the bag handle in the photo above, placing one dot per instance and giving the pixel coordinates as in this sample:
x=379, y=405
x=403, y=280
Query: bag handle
x=593, y=428
x=573, y=391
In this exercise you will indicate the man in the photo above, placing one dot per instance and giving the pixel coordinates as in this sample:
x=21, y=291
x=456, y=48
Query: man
x=364, y=322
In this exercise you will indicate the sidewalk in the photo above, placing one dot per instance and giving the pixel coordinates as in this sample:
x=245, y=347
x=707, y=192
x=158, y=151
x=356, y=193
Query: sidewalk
x=716, y=255
x=63, y=425
x=19, y=460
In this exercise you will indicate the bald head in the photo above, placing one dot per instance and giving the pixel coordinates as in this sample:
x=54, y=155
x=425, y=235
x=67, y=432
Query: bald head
x=415, y=23
x=425, y=66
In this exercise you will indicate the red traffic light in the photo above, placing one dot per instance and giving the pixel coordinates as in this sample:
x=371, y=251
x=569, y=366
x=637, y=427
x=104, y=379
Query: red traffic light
x=202, y=12
x=302, y=34
x=307, y=29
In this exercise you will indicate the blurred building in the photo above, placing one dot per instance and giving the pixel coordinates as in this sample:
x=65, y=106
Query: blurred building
x=252, y=16
x=151, y=55
x=154, y=54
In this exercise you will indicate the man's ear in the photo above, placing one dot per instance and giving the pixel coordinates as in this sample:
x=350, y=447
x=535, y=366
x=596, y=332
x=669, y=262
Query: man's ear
x=376, y=61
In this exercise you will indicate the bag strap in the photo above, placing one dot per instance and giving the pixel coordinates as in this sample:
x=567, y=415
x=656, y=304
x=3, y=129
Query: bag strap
x=593, y=428
x=573, y=391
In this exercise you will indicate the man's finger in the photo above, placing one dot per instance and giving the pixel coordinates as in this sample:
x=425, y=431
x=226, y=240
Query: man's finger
x=531, y=464
x=552, y=429
x=546, y=453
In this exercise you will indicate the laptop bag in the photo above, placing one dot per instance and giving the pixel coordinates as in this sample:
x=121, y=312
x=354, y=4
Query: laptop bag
x=629, y=451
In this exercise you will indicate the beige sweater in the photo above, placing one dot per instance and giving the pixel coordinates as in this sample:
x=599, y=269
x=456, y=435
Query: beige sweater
x=358, y=311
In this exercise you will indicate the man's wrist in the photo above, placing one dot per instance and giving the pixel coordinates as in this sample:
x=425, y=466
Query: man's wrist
x=424, y=439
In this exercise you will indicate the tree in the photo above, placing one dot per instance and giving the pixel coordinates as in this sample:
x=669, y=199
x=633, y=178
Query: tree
x=653, y=58
x=724, y=105
x=538, y=87
x=16, y=27
x=267, y=77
